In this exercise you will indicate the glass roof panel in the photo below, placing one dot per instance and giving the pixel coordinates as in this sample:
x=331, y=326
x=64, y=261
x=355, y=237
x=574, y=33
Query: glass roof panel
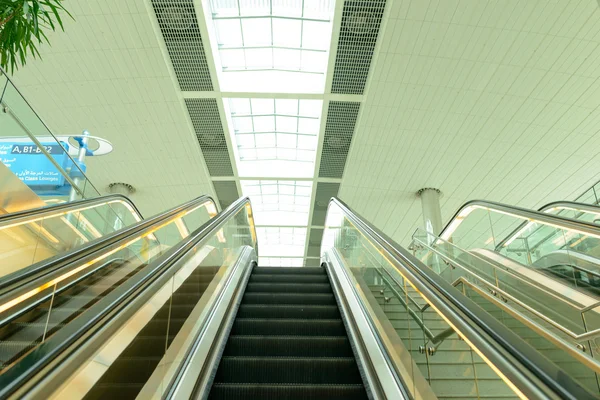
x=283, y=134
x=284, y=44
x=279, y=203
x=281, y=241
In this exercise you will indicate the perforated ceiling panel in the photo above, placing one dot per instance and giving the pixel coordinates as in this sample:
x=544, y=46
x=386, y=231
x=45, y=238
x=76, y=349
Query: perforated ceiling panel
x=179, y=27
x=226, y=192
x=339, y=128
x=205, y=117
x=358, y=35
x=325, y=191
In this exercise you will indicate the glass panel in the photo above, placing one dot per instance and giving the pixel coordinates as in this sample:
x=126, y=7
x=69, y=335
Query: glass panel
x=551, y=322
x=279, y=203
x=168, y=323
x=286, y=41
x=435, y=361
x=29, y=240
x=37, y=314
x=47, y=171
x=516, y=241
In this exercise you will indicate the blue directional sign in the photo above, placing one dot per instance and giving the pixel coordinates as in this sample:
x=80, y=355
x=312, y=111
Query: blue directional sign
x=30, y=164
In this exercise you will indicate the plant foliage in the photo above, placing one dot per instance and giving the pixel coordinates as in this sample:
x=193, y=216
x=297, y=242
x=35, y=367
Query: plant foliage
x=22, y=25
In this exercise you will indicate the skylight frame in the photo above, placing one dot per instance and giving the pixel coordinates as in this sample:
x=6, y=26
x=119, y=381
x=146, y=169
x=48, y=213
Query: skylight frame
x=268, y=43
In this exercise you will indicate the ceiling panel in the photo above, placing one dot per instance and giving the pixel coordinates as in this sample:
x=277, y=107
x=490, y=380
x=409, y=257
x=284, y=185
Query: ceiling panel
x=492, y=100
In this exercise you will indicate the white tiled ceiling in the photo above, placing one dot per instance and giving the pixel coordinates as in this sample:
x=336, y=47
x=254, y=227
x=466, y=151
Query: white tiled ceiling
x=106, y=73
x=495, y=100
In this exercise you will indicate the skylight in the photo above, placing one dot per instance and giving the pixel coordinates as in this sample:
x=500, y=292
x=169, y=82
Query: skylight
x=280, y=203
x=281, y=242
x=273, y=45
x=275, y=137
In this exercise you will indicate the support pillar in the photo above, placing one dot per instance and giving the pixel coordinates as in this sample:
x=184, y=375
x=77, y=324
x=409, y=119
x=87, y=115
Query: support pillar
x=432, y=219
x=432, y=213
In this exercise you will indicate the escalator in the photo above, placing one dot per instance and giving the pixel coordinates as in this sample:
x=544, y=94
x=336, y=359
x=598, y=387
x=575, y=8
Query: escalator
x=535, y=273
x=200, y=319
x=41, y=300
x=288, y=341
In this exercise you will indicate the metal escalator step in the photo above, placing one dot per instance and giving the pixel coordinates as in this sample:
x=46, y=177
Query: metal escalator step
x=235, y=391
x=288, y=346
x=288, y=327
x=289, y=287
x=338, y=370
x=288, y=278
x=288, y=311
x=289, y=298
x=290, y=270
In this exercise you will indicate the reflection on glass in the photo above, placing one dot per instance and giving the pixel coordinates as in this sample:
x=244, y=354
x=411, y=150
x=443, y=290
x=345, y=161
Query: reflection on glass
x=166, y=327
x=505, y=237
x=554, y=323
x=19, y=124
x=435, y=361
x=66, y=295
x=25, y=241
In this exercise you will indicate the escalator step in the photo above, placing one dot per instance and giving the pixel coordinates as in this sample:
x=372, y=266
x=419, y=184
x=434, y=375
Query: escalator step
x=289, y=287
x=288, y=278
x=289, y=270
x=289, y=298
x=288, y=327
x=339, y=370
x=231, y=391
x=288, y=311
x=288, y=346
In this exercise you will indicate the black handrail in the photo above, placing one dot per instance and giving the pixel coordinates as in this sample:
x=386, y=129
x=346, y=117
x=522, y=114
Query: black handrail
x=541, y=367
x=55, y=208
x=157, y=272
x=22, y=281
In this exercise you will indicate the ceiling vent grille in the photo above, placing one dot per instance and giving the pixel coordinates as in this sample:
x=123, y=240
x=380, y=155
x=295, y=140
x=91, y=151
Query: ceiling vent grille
x=325, y=191
x=226, y=192
x=358, y=35
x=339, y=128
x=206, y=120
x=179, y=26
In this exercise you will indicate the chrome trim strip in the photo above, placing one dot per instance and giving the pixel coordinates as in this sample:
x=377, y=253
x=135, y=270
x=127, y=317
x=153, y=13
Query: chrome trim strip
x=192, y=376
x=382, y=366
